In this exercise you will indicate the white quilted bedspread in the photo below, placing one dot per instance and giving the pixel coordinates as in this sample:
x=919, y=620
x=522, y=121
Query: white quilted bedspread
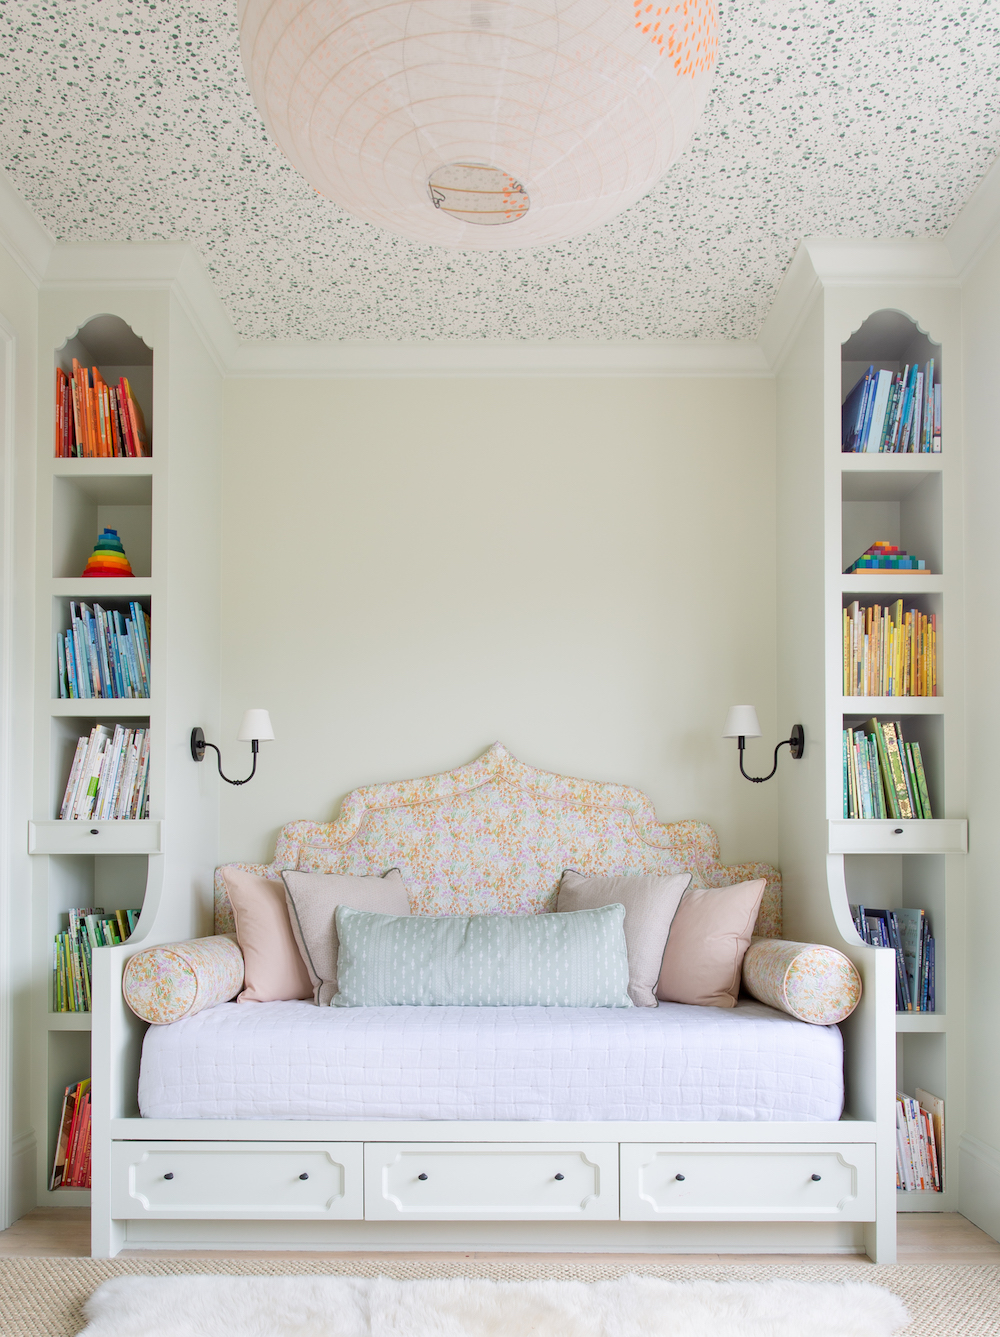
x=297, y=1061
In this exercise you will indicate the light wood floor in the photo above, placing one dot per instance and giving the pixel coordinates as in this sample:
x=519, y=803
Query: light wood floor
x=924, y=1238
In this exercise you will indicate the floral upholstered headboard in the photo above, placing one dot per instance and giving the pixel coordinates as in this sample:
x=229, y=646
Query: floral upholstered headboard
x=493, y=837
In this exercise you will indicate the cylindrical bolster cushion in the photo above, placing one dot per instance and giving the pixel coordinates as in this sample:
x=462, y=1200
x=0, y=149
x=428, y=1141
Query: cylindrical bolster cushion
x=806, y=980
x=163, y=984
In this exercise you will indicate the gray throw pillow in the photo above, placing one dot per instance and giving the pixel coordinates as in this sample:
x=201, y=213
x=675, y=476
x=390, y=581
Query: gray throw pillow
x=312, y=900
x=650, y=902
x=482, y=960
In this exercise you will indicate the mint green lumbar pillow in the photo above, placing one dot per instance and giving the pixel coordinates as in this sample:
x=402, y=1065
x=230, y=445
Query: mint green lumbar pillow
x=565, y=960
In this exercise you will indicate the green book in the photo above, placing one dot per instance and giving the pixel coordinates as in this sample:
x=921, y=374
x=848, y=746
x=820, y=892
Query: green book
x=896, y=769
x=918, y=769
x=874, y=730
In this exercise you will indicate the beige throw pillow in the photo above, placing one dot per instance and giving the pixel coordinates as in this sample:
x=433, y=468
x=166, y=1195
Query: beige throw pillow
x=312, y=908
x=273, y=966
x=708, y=940
x=650, y=902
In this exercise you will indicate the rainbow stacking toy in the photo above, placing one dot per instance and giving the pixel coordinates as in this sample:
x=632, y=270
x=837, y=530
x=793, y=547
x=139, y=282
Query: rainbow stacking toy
x=108, y=557
x=885, y=556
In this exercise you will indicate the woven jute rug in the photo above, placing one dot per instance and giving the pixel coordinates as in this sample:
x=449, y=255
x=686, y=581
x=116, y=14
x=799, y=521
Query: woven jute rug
x=42, y=1297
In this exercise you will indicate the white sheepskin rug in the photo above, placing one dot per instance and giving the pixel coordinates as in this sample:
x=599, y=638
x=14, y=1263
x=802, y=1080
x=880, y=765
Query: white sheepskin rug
x=220, y=1306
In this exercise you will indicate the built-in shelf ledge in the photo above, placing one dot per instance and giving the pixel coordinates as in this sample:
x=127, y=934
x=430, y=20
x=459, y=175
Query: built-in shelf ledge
x=877, y=462
x=900, y=584
x=892, y=705
x=112, y=587
x=940, y=835
x=108, y=468
x=69, y=1021
x=921, y=1023
x=95, y=837
x=126, y=707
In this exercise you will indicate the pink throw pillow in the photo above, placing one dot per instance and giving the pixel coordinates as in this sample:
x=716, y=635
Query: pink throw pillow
x=709, y=936
x=275, y=971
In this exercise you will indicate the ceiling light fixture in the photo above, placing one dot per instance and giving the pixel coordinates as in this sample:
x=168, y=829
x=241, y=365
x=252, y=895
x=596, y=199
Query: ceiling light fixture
x=480, y=124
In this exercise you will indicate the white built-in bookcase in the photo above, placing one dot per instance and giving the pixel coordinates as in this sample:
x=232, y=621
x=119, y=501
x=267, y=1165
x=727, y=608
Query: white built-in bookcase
x=832, y=506
x=165, y=508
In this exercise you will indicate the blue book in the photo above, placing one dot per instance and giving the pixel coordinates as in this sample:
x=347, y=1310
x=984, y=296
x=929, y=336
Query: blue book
x=852, y=414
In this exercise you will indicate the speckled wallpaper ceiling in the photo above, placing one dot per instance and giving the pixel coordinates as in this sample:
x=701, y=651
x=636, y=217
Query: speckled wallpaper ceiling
x=132, y=121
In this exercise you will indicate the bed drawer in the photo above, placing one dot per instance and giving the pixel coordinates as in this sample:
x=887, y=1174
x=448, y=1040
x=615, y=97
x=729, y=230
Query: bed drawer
x=228, y=1180
x=737, y=1182
x=491, y=1181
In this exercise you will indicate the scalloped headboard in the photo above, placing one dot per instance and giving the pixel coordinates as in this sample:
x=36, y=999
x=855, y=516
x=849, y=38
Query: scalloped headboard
x=493, y=837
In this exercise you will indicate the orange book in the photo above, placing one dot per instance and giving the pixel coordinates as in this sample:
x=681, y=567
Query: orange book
x=138, y=422
x=78, y=1169
x=76, y=386
x=60, y=411
x=94, y=430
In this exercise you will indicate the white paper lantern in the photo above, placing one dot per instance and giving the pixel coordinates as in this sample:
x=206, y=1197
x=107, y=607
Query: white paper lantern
x=480, y=124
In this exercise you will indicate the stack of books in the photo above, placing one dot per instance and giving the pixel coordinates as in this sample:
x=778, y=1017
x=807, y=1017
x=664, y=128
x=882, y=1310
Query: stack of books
x=95, y=420
x=889, y=652
x=72, y=956
x=883, y=773
x=104, y=654
x=919, y=1143
x=907, y=933
x=108, y=781
x=71, y=1163
x=899, y=412
x=886, y=556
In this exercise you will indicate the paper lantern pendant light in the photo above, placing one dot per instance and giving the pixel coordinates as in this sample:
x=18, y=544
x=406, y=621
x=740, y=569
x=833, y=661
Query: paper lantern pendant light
x=480, y=124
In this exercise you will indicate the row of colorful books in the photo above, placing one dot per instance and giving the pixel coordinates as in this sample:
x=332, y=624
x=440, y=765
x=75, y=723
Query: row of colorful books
x=889, y=652
x=893, y=412
x=95, y=420
x=109, y=778
x=920, y=1143
x=906, y=932
x=103, y=653
x=72, y=953
x=71, y=1162
x=883, y=773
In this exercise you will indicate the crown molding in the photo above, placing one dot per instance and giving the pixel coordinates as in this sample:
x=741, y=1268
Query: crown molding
x=26, y=240
x=978, y=224
x=459, y=358
x=839, y=261
x=796, y=293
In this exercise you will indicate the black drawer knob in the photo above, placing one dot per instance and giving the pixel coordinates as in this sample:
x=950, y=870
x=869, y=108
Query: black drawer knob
x=169, y=1175
x=816, y=1178
x=680, y=1177
x=95, y=831
x=421, y=1176
x=898, y=831
x=303, y=1176
x=560, y=1176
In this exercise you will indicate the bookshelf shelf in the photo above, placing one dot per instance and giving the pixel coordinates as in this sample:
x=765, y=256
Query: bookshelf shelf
x=920, y=1023
x=69, y=1021
x=101, y=707
x=890, y=706
x=874, y=462
x=900, y=584
x=101, y=468
x=937, y=836
x=77, y=588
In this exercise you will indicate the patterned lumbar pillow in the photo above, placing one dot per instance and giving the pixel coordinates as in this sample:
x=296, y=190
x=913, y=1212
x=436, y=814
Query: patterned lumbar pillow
x=546, y=960
x=313, y=899
x=650, y=902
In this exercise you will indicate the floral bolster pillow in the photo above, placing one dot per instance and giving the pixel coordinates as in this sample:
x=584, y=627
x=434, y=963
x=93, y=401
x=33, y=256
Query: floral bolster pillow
x=178, y=979
x=806, y=980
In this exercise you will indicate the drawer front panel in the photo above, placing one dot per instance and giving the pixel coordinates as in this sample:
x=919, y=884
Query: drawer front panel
x=229, y=1180
x=95, y=837
x=738, y=1182
x=946, y=835
x=490, y=1182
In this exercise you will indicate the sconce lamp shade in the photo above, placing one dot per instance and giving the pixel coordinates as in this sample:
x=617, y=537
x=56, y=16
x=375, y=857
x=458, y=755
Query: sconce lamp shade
x=256, y=724
x=741, y=722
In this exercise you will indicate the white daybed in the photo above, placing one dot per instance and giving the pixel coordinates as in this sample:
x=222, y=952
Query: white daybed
x=283, y=1125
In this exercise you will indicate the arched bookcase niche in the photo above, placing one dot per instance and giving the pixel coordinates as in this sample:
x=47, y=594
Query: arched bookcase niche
x=888, y=341
x=107, y=342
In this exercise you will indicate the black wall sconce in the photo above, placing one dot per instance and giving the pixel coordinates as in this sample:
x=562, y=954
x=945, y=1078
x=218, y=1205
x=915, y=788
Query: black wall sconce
x=742, y=723
x=255, y=729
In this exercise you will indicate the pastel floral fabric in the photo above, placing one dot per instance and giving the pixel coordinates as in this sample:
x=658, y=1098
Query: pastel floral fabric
x=178, y=979
x=808, y=981
x=494, y=837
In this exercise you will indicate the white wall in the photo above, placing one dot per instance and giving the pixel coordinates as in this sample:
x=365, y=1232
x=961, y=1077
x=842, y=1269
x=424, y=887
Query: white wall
x=583, y=569
x=981, y=350
x=18, y=343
